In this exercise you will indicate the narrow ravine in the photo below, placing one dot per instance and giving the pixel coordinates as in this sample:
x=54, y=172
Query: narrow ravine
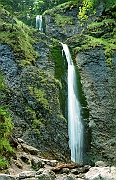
x=75, y=126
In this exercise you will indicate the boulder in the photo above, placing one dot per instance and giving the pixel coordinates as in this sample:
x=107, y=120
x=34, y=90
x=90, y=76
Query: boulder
x=65, y=170
x=51, y=163
x=45, y=174
x=101, y=173
x=26, y=174
x=6, y=177
x=37, y=163
x=100, y=164
x=65, y=177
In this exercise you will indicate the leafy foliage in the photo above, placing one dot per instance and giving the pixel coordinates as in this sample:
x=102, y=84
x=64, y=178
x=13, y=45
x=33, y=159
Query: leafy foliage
x=87, y=7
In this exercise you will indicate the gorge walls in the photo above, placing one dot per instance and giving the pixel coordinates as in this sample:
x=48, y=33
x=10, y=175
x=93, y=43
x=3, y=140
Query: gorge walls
x=93, y=50
x=33, y=80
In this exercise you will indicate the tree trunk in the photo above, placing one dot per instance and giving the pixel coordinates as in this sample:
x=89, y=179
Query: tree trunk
x=70, y=166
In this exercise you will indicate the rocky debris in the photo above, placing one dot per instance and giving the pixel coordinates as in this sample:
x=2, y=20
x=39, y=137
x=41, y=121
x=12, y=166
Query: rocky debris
x=98, y=81
x=51, y=163
x=65, y=170
x=101, y=173
x=95, y=173
x=34, y=167
x=45, y=174
x=66, y=177
x=100, y=164
x=25, y=174
x=30, y=149
x=6, y=177
x=37, y=162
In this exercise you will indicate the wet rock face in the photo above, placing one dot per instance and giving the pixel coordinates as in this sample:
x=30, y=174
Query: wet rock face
x=34, y=104
x=98, y=81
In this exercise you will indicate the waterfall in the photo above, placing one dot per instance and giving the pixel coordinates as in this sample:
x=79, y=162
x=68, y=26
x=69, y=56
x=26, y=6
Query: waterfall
x=39, y=22
x=75, y=127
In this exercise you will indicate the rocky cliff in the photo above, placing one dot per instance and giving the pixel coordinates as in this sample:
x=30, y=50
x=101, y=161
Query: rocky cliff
x=92, y=43
x=32, y=89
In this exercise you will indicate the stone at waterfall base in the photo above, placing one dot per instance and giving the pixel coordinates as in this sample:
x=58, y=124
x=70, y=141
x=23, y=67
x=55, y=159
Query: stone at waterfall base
x=101, y=173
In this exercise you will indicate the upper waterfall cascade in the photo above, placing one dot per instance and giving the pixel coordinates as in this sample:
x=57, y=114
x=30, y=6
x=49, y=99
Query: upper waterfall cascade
x=39, y=22
x=75, y=126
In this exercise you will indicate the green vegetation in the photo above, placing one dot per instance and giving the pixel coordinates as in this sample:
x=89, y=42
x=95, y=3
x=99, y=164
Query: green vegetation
x=40, y=96
x=99, y=33
x=92, y=42
x=60, y=69
x=6, y=127
x=109, y=4
x=86, y=8
x=36, y=123
x=27, y=10
x=63, y=20
x=61, y=8
x=98, y=27
x=62, y=117
x=56, y=52
x=20, y=39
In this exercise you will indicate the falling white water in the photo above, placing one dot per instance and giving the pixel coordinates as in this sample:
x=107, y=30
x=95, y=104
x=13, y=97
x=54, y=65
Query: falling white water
x=39, y=22
x=75, y=127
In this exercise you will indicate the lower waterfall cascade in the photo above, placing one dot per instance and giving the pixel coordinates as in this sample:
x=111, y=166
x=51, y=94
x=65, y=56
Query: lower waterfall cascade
x=75, y=126
x=39, y=22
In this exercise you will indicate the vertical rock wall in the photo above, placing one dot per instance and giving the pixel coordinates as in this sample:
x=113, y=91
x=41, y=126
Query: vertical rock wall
x=99, y=85
x=33, y=99
x=98, y=79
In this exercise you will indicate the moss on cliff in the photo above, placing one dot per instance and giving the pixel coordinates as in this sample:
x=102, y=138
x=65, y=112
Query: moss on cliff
x=40, y=96
x=20, y=38
x=63, y=20
x=88, y=7
x=56, y=52
x=99, y=33
x=61, y=8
